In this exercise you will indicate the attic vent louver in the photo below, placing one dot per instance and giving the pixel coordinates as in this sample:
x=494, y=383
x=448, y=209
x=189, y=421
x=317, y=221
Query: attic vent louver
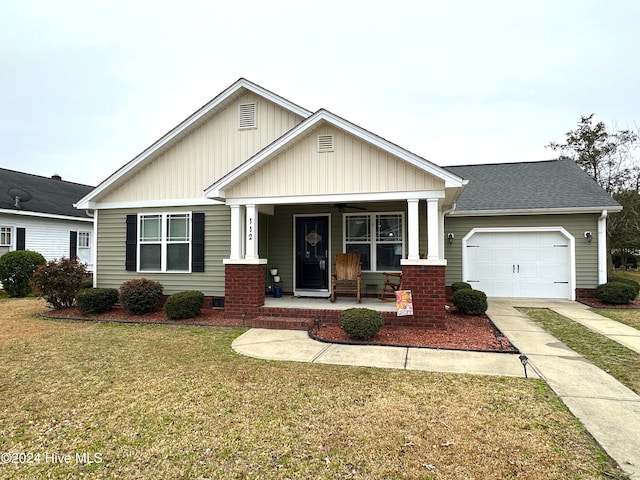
x=247, y=115
x=325, y=143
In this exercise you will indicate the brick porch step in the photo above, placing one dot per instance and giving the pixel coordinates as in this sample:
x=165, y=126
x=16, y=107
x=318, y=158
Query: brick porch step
x=281, y=323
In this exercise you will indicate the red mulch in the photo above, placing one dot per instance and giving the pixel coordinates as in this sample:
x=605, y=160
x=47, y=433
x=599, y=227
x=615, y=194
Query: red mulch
x=463, y=332
x=595, y=303
x=207, y=317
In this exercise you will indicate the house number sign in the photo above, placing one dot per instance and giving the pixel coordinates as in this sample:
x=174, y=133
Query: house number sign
x=250, y=231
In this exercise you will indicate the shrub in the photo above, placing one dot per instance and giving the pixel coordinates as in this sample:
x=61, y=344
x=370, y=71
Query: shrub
x=361, y=323
x=628, y=281
x=616, y=292
x=59, y=281
x=140, y=295
x=184, y=304
x=471, y=302
x=16, y=269
x=455, y=286
x=96, y=300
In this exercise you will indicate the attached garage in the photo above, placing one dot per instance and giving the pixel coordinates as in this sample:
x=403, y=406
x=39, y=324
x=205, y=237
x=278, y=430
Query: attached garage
x=520, y=263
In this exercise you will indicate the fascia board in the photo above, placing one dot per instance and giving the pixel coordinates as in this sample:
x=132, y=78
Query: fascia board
x=45, y=215
x=181, y=129
x=338, y=198
x=216, y=190
x=532, y=211
x=181, y=202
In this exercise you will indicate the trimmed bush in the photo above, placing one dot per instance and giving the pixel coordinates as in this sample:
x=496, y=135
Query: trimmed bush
x=59, y=281
x=470, y=302
x=361, y=323
x=456, y=286
x=628, y=281
x=16, y=269
x=617, y=293
x=140, y=296
x=184, y=304
x=96, y=300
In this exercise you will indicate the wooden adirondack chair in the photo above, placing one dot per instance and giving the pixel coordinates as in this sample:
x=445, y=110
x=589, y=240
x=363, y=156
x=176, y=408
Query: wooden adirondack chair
x=346, y=275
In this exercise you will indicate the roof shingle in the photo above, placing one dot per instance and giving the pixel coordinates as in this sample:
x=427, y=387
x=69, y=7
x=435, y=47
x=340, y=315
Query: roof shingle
x=48, y=196
x=552, y=184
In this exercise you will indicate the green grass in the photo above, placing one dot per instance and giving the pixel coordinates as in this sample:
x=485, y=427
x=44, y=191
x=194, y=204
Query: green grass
x=177, y=402
x=606, y=354
x=629, y=316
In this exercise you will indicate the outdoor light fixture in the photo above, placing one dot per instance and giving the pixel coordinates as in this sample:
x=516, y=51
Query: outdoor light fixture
x=450, y=237
x=524, y=360
x=588, y=236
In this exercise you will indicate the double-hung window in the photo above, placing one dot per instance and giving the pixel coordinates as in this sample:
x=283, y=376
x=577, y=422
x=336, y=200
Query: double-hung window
x=5, y=239
x=377, y=237
x=83, y=240
x=164, y=242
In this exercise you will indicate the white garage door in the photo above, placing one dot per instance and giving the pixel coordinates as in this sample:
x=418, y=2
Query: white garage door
x=519, y=264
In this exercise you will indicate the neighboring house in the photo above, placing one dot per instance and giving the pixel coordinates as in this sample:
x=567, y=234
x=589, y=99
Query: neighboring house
x=38, y=213
x=252, y=181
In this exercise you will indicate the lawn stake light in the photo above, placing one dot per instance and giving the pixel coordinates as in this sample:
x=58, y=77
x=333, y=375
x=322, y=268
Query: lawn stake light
x=524, y=360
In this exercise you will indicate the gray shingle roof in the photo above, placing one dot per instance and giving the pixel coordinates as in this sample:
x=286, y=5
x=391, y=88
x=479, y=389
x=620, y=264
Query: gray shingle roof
x=48, y=196
x=553, y=184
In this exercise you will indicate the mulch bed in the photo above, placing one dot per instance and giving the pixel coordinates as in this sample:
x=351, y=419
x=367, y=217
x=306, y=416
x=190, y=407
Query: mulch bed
x=595, y=303
x=463, y=332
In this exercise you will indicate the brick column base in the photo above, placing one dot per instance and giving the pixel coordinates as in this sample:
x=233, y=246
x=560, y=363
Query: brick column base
x=428, y=292
x=244, y=286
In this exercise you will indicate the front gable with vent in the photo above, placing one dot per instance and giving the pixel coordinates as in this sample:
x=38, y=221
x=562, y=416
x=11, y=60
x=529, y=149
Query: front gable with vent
x=330, y=161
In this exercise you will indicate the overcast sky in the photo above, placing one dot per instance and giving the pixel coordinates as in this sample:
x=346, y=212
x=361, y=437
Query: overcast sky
x=87, y=85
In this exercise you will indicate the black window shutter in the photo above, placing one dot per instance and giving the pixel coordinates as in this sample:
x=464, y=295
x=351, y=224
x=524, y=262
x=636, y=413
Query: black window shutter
x=73, y=245
x=20, y=238
x=197, y=242
x=131, y=243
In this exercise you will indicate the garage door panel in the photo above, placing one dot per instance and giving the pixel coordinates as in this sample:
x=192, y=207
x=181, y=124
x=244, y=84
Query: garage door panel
x=520, y=264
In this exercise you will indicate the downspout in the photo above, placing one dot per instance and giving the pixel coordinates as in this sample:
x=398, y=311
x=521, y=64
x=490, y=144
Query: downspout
x=602, y=248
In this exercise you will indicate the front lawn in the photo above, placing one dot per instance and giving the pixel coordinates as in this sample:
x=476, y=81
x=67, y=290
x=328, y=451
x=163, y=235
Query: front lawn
x=140, y=401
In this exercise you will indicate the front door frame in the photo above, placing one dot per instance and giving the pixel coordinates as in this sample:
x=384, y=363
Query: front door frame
x=309, y=292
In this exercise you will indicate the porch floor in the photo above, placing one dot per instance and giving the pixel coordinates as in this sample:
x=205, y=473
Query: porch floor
x=341, y=303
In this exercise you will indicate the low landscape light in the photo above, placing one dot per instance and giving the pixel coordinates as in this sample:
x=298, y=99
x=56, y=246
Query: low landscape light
x=524, y=360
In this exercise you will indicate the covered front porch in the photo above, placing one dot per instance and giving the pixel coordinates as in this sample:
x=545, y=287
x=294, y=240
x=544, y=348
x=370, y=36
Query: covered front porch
x=301, y=240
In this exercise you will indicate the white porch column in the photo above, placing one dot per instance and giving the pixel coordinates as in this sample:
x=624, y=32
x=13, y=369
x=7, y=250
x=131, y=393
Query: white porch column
x=252, y=232
x=236, y=232
x=413, y=229
x=434, y=235
x=442, y=233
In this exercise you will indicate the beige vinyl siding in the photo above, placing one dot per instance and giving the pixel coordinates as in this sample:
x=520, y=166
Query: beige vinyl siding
x=205, y=154
x=111, y=252
x=354, y=166
x=281, y=237
x=576, y=225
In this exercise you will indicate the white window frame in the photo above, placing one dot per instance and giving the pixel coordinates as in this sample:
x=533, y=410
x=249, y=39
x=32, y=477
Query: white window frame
x=6, y=231
x=84, y=240
x=373, y=241
x=164, y=241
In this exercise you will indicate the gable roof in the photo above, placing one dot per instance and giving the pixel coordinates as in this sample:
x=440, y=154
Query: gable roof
x=216, y=190
x=49, y=196
x=530, y=187
x=195, y=120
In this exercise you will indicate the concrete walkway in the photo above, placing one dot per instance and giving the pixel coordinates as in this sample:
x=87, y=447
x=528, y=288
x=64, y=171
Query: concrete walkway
x=608, y=410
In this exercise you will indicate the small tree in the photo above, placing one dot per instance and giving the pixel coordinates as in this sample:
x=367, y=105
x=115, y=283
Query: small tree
x=16, y=269
x=59, y=281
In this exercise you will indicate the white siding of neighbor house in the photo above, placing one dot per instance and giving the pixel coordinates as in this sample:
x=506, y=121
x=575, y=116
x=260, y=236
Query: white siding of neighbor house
x=205, y=154
x=354, y=166
x=49, y=237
